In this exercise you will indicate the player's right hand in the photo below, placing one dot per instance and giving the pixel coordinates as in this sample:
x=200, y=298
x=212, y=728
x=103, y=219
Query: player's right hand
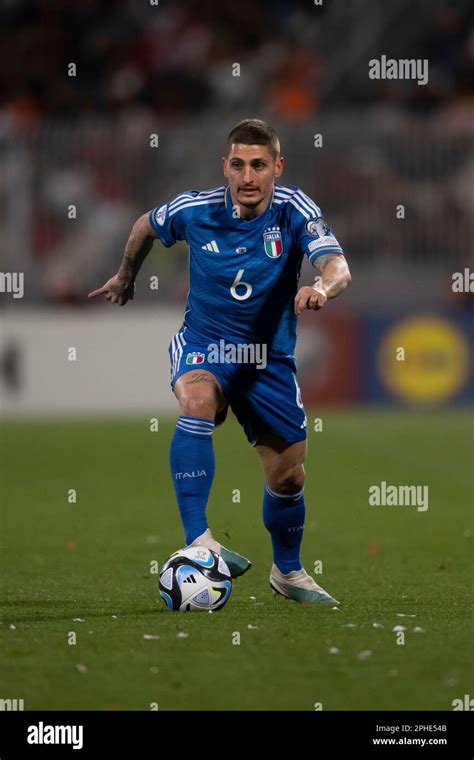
x=117, y=289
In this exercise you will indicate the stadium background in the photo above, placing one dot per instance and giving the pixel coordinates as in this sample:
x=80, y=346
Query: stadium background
x=84, y=140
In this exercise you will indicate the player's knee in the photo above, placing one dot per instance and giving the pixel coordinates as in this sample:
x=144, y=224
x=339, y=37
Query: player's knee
x=199, y=406
x=289, y=481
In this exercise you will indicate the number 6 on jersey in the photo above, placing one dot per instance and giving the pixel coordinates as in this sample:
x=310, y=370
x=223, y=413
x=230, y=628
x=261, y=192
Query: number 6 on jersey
x=246, y=285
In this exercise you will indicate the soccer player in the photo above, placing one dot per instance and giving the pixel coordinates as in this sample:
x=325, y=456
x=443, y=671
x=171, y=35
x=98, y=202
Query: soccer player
x=246, y=241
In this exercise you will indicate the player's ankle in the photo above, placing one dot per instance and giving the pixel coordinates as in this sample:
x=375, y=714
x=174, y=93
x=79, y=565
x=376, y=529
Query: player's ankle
x=206, y=539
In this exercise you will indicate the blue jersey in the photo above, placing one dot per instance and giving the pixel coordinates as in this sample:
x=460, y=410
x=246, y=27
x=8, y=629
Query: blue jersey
x=243, y=274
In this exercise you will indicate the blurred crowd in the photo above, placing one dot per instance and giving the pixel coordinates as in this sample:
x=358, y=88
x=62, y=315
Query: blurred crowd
x=141, y=67
x=173, y=58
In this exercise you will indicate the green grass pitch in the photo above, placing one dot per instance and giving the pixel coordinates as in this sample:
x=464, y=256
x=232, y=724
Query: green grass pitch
x=91, y=560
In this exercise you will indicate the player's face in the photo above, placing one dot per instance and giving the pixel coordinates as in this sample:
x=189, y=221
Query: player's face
x=251, y=171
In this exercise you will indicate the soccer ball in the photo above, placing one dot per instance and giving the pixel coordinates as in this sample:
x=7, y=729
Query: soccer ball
x=195, y=578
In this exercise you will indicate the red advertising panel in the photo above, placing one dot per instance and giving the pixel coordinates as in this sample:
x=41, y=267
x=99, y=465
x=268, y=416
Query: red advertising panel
x=328, y=352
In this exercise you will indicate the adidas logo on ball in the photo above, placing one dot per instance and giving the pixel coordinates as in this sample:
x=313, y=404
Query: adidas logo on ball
x=195, y=578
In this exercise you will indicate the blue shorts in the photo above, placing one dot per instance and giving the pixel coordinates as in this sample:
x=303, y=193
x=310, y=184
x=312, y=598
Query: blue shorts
x=266, y=400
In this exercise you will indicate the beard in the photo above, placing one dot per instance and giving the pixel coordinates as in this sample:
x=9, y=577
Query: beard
x=250, y=202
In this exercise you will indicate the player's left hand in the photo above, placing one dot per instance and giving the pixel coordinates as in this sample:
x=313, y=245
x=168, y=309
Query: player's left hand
x=309, y=298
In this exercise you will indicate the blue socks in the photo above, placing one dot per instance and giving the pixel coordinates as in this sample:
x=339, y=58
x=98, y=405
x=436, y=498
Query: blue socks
x=283, y=517
x=192, y=470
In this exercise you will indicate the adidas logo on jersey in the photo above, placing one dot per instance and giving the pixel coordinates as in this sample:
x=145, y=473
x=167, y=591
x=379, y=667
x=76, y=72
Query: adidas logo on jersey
x=212, y=246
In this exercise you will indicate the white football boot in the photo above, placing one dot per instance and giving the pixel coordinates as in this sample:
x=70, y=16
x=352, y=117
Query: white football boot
x=237, y=564
x=299, y=586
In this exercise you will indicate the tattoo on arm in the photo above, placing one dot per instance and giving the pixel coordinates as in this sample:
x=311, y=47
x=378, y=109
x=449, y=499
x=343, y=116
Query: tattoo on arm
x=333, y=287
x=136, y=251
x=199, y=377
x=322, y=261
x=338, y=278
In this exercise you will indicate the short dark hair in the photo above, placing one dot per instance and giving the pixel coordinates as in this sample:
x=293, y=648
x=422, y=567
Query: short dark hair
x=254, y=132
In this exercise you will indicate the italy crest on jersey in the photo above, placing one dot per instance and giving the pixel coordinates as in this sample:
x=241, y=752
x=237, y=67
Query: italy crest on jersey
x=272, y=242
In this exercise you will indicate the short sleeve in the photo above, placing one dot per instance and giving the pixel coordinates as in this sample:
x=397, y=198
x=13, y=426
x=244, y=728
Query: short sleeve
x=169, y=220
x=314, y=237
